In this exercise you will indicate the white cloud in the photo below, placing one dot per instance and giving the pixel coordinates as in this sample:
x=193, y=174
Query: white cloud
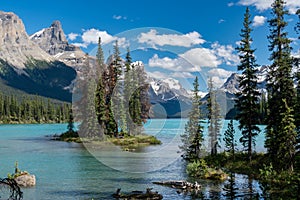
x=222, y=73
x=221, y=21
x=158, y=75
x=72, y=36
x=259, y=21
x=225, y=53
x=261, y=5
x=166, y=63
x=201, y=57
x=162, y=75
x=230, y=4
x=153, y=38
x=182, y=75
x=118, y=17
x=219, y=76
x=91, y=36
x=83, y=45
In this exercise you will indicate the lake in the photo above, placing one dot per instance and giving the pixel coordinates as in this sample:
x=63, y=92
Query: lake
x=71, y=171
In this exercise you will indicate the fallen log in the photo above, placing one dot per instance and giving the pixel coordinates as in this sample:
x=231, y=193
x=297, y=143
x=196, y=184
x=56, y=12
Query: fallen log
x=149, y=195
x=184, y=185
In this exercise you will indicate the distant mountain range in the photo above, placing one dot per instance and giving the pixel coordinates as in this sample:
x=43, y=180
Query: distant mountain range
x=45, y=64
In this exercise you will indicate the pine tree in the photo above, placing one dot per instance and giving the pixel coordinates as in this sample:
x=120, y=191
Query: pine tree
x=214, y=117
x=280, y=86
x=297, y=77
x=193, y=136
x=100, y=94
x=248, y=99
x=71, y=126
x=128, y=90
x=287, y=131
x=230, y=142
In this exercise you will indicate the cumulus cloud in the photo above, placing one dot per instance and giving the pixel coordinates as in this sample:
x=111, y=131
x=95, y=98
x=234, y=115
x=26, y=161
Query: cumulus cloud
x=261, y=5
x=175, y=64
x=219, y=76
x=201, y=57
x=91, y=36
x=259, y=21
x=158, y=75
x=225, y=53
x=153, y=38
x=72, y=36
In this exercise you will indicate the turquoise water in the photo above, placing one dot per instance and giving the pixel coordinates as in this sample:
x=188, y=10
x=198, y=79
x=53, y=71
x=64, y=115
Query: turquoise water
x=69, y=171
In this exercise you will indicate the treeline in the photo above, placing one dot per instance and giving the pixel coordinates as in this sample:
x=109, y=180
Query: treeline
x=114, y=96
x=32, y=109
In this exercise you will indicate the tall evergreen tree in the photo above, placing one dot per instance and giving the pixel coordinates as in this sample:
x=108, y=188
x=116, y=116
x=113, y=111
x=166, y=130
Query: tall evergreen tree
x=230, y=143
x=214, y=117
x=192, y=138
x=248, y=99
x=280, y=86
x=71, y=126
x=100, y=94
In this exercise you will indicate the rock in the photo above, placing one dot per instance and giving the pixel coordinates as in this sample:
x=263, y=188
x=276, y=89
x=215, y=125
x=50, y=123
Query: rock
x=53, y=41
x=15, y=46
x=26, y=180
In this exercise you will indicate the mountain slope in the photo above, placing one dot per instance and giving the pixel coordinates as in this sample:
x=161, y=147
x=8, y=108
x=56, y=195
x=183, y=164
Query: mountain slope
x=24, y=66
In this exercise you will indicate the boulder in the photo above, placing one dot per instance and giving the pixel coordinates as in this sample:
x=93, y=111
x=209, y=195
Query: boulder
x=26, y=180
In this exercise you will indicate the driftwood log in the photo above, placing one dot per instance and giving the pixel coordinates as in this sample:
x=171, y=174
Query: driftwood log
x=11, y=186
x=183, y=185
x=149, y=195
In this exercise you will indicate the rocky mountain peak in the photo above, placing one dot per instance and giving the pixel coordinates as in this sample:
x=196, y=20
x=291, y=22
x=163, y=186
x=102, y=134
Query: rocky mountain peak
x=15, y=45
x=53, y=41
x=232, y=84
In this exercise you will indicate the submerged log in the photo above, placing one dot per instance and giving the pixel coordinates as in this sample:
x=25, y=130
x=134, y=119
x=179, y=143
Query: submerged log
x=149, y=195
x=184, y=185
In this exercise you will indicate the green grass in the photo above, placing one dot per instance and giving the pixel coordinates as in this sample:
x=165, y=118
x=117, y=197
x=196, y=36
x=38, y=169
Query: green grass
x=130, y=143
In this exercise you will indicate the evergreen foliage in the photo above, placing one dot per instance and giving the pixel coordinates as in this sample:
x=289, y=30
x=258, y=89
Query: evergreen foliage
x=248, y=99
x=230, y=142
x=280, y=90
x=214, y=118
x=32, y=109
x=193, y=136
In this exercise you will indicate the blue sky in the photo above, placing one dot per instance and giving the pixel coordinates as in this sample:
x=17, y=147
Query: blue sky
x=201, y=33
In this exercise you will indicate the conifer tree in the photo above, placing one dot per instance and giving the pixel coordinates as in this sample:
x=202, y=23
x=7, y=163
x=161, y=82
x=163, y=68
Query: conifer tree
x=71, y=126
x=214, y=118
x=248, y=99
x=193, y=136
x=230, y=142
x=100, y=94
x=280, y=87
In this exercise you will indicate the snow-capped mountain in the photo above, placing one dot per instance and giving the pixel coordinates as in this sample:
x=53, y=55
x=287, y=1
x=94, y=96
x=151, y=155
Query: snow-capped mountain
x=232, y=85
x=168, y=98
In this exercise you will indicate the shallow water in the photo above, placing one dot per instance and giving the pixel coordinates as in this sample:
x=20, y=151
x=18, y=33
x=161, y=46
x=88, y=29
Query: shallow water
x=70, y=171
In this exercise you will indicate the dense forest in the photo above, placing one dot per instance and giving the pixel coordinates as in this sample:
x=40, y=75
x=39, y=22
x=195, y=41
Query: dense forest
x=32, y=109
x=277, y=169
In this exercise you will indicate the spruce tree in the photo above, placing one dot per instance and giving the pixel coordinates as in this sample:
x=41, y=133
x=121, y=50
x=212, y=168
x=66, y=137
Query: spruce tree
x=230, y=143
x=192, y=138
x=100, y=94
x=280, y=87
x=214, y=118
x=247, y=102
